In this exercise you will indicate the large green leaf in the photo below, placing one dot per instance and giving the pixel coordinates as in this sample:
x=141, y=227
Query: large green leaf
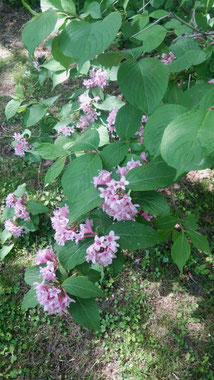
x=83, y=40
x=81, y=287
x=29, y=299
x=5, y=250
x=135, y=235
x=188, y=140
x=32, y=274
x=53, y=4
x=38, y=29
x=128, y=121
x=55, y=170
x=58, y=55
x=113, y=154
x=110, y=59
x=36, y=208
x=152, y=176
x=49, y=151
x=166, y=222
x=180, y=251
x=190, y=58
x=152, y=37
x=109, y=103
x=151, y=202
x=86, y=313
x=192, y=97
x=84, y=202
x=8, y=213
x=207, y=100
x=89, y=140
x=79, y=174
x=34, y=114
x=11, y=108
x=70, y=255
x=157, y=123
x=199, y=241
x=143, y=83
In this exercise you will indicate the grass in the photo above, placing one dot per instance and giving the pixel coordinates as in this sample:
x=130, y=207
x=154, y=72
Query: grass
x=155, y=323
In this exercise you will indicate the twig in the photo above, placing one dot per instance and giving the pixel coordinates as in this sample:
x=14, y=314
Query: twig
x=149, y=26
x=27, y=6
x=189, y=81
x=144, y=6
x=186, y=23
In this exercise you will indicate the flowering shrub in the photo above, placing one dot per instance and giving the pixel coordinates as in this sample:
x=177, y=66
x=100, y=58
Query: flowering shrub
x=115, y=152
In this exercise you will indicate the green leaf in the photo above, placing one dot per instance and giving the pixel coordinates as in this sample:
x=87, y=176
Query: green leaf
x=190, y=58
x=86, y=313
x=49, y=151
x=83, y=40
x=11, y=108
x=157, y=123
x=151, y=202
x=152, y=37
x=180, y=252
x=190, y=222
x=89, y=140
x=113, y=154
x=92, y=9
x=28, y=226
x=109, y=103
x=207, y=100
x=68, y=6
x=134, y=235
x=38, y=29
x=5, y=250
x=29, y=299
x=53, y=4
x=32, y=274
x=86, y=201
x=81, y=287
x=166, y=222
x=128, y=121
x=70, y=255
x=188, y=140
x=50, y=101
x=58, y=55
x=117, y=264
x=143, y=83
x=19, y=192
x=36, y=208
x=192, y=97
x=60, y=77
x=55, y=170
x=110, y=59
x=4, y=236
x=34, y=114
x=152, y=176
x=8, y=213
x=158, y=14
x=52, y=65
x=79, y=174
x=199, y=241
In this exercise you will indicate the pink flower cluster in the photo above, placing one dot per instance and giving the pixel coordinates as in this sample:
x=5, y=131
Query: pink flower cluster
x=103, y=250
x=54, y=300
x=64, y=231
x=36, y=65
x=90, y=114
x=116, y=202
x=65, y=130
x=111, y=120
x=19, y=206
x=15, y=230
x=139, y=133
x=21, y=145
x=98, y=78
x=167, y=58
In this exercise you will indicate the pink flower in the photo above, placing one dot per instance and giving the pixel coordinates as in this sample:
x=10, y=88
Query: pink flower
x=143, y=157
x=36, y=65
x=146, y=216
x=49, y=271
x=103, y=178
x=44, y=255
x=53, y=299
x=103, y=250
x=167, y=58
x=65, y=130
x=211, y=81
x=15, y=230
x=111, y=120
x=85, y=102
x=98, y=78
x=11, y=200
x=21, y=145
x=20, y=210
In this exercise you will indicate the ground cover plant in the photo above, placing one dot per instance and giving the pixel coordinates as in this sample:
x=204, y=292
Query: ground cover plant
x=118, y=140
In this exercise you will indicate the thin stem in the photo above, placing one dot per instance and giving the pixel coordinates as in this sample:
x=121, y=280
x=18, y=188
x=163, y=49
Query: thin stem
x=149, y=26
x=144, y=6
x=186, y=23
x=27, y=6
